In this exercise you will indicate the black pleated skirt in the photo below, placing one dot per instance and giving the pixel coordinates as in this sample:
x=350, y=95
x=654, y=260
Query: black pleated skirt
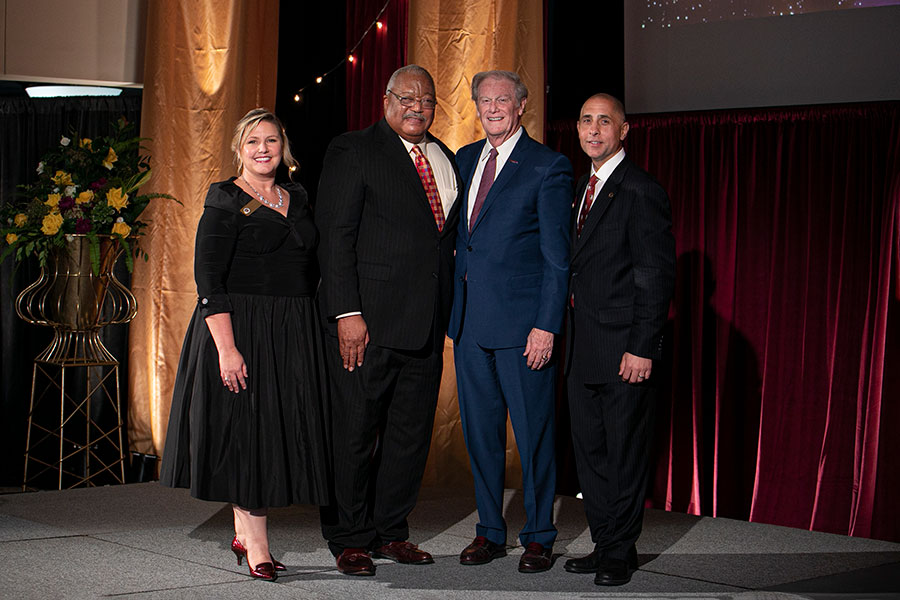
x=265, y=446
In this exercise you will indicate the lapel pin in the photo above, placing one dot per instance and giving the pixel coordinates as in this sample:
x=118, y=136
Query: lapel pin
x=611, y=194
x=515, y=162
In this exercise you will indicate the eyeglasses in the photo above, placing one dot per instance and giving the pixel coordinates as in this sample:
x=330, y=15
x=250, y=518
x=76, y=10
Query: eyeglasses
x=408, y=102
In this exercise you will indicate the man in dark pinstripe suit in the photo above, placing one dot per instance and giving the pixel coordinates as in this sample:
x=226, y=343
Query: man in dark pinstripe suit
x=621, y=280
x=387, y=214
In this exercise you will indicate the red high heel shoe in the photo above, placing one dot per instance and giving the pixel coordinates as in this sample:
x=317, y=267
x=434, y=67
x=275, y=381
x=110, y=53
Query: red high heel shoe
x=263, y=571
x=240, y=552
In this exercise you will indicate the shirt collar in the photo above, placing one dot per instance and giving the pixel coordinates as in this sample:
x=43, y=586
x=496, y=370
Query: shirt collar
x=607, y=168
x=504, y=149
x=409, y=145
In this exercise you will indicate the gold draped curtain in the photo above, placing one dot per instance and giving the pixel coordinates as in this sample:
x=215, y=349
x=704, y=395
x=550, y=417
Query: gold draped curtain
x=454, y=40
x=207, y=63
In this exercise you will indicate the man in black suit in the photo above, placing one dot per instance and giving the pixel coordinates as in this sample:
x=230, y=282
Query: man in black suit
x=387, y=211
x=621, y=280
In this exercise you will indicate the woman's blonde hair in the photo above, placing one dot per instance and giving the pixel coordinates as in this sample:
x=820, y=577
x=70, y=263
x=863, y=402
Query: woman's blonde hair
x=247, y=124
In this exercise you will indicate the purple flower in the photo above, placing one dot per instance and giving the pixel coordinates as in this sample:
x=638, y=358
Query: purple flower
x=82, y=225
x=98, y=184
x=66, y=203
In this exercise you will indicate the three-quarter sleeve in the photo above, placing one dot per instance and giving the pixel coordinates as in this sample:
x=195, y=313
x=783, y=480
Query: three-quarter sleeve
x=216, y=239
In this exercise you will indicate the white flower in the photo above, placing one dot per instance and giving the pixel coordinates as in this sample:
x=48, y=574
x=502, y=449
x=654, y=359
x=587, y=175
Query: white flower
x=70, y=191
x=64, y=141
x=69, y=237
x=40, y=168
x=120, y=220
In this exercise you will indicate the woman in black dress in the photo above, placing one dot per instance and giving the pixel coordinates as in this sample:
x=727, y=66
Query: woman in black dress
x=248, y=417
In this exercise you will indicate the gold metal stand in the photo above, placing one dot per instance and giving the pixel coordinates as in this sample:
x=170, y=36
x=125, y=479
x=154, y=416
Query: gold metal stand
x=77, y=303
x=84, y=445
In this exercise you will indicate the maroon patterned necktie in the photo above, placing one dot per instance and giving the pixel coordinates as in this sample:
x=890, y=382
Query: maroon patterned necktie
x=586, y=206
x=431, y=189
x=487, y=180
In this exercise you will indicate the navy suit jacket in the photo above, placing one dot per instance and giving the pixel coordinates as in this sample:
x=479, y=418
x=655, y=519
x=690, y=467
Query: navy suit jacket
x=512, y=269
x=622, y=274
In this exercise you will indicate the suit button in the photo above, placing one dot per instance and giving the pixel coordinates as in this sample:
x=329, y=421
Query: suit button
x=469, y=248
x=574, y=273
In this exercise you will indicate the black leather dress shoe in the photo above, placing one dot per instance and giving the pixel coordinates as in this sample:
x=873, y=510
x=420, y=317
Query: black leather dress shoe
x=613, y=571
x=585, y=564
x=481, y=551
x=536, y=559
x=355, y=561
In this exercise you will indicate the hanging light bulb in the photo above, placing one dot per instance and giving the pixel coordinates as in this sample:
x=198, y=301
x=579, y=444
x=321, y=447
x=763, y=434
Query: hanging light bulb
x=379, y=25
x=351, y=58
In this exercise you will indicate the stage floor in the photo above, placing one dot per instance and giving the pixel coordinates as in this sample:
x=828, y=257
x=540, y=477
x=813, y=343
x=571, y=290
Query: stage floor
x=148, y=541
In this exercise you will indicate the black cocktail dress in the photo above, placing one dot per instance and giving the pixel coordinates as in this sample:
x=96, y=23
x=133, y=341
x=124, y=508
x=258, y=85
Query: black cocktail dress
x=265, y=446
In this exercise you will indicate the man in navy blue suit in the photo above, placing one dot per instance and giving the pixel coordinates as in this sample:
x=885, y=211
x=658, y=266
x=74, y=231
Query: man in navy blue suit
x=512, y=265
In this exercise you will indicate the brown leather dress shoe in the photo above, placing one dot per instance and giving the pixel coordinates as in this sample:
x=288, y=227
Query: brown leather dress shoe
x=404, y=553
x=355, y=561
x=537, y=558
x=481, y=551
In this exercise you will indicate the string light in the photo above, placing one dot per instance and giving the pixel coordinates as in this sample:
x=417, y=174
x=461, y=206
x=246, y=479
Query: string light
x=351, y=56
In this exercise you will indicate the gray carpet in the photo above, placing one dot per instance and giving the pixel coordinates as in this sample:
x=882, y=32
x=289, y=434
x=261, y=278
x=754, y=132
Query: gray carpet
x=147, y=541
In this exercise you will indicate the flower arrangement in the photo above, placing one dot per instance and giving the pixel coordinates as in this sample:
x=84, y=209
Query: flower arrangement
x=84, y=186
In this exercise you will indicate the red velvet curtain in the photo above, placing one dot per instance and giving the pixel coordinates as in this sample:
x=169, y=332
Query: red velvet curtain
x=381, y=52
x=786, y=320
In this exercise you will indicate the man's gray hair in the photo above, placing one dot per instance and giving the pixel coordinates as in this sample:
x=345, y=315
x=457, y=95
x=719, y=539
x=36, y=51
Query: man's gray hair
x=521, y=88
x=411, y=70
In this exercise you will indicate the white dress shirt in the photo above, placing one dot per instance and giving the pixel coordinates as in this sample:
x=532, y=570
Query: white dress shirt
x=441, y=168
x=602, y=174
x=503, y=152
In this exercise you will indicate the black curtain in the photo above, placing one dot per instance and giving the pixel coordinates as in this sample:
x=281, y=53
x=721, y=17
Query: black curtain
x=28, y=128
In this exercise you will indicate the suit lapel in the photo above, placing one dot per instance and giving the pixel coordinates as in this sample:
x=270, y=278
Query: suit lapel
x=396, y=152
x=507, y=173
x=604, y=199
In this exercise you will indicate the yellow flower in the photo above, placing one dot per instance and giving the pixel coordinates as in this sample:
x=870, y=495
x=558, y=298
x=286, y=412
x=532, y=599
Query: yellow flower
x=121, y=228
x=52, y=223
x=116, y=199
x=11, y=238
x=62, y=178
x=110, y=158
x=52, y=200
x=85, y=143
x=84, y=197
x=20, y=219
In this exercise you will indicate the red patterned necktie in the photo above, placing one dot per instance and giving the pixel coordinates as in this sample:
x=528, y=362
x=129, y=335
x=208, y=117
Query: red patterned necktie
x=487, y=180
x=586, y=206
x=431, y=189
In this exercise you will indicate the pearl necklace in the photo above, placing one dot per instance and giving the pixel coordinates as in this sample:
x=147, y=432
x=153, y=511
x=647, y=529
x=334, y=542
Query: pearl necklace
x=262, y=198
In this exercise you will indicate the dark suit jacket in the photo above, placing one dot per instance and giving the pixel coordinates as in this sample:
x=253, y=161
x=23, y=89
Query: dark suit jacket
x=622, y=274
x=380, y=250
x=512, y=269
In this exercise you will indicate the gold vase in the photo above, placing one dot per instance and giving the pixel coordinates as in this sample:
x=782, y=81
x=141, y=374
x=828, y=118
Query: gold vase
x=77, y=302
